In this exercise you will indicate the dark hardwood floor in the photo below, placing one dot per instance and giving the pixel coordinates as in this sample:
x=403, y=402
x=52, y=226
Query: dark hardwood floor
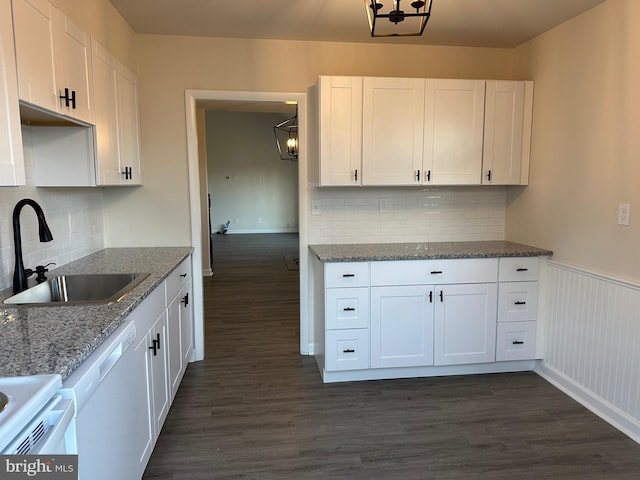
x=256, y=409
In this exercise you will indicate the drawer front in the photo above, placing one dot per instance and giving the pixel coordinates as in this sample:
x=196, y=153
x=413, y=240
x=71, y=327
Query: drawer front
x=517, y=301
x=516, y=341
x=347, y=349
x=429, y=272
x=519, y=269
x=177, y=278
x=347, y=308
x=346, y=274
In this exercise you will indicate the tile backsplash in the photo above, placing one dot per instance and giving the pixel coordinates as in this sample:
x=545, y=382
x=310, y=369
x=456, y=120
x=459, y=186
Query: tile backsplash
x=74, y=216
x=393, y=215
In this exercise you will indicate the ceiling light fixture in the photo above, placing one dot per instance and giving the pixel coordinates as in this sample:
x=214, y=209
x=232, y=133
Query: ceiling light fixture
x=286, y=133
x=401, y=23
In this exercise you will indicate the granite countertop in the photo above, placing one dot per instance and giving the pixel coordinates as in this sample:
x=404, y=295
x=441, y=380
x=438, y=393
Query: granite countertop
x=57, y=339
x=363, y=252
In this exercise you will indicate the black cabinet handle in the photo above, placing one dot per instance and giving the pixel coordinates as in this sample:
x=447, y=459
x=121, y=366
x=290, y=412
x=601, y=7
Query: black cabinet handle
x=346, y=275
x=348, y=350
x=518, y=342
x=441, y=297
x=436, y=272
x=69, y=99
x=183, y=275
x=430, y=296
x=185, y=300
x=128, y=174
x=154, y=347
x=522, y=269
x=428, y=175
x=519, y=303
x=417, y=175
x=489, y=175
x=355, y=174
x=349, y=309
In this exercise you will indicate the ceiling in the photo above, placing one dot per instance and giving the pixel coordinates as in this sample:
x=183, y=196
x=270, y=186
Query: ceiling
x=477, y=23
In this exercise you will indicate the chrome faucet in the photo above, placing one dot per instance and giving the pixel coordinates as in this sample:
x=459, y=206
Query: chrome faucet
x=19, y=274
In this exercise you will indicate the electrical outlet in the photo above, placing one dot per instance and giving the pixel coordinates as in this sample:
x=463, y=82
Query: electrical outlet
x=623, y=213
x=315, y=207
x=384, y=205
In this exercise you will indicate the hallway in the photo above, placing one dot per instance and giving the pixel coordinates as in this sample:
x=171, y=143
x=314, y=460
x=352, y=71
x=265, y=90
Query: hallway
x=256, y=409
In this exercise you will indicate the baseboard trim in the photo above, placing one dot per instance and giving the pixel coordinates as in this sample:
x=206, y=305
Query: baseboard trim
x=267, y=230
x=599, y=406
x=207, y=272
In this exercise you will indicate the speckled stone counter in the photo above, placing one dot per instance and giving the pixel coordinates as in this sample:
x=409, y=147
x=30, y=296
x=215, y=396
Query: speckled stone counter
x=57, y=339
x=364, y=252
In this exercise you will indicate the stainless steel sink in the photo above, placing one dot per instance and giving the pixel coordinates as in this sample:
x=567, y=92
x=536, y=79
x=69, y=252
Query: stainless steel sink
x=79, y=289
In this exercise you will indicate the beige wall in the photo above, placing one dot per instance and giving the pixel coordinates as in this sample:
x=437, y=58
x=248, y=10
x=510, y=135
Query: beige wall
x=585, y=154
x=170, y=64
x=249, y=184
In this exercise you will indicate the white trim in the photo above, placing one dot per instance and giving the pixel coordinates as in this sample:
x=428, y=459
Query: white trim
x=191, y=97
x=428, y=371
x=598, y=405
x=599, y=276
x=264, y=230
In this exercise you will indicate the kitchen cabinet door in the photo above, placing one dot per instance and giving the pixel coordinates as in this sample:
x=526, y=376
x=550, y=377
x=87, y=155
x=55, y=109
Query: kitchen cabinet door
x=11, y=155
x=33, y=31
x=503, y=132
x=465, y=323
x=392, y=130
x=142, y=402
x=159, y=372
x=402, y=326
x=72, y=56
x=117, y=120
x=340, y=109
x=174, y=344
x=186, y=323
x=453, y=133
x=128, y=125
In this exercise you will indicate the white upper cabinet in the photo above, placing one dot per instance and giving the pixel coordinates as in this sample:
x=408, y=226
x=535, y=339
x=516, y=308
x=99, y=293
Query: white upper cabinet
x=340, y=109
x=11, y=157
x=116, y=118
x=33, y=31
x=392, y=130
x=507, y=132
x=453, y=133
x=54, y=60
x=72, y=55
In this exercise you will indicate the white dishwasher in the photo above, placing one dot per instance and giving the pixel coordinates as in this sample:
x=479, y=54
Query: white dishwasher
x=100, y=388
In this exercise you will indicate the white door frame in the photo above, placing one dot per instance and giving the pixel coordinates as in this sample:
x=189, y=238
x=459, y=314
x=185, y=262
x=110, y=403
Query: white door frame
x=191, y=97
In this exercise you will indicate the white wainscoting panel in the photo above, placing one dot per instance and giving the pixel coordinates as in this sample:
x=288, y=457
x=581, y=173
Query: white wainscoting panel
x=593, y=343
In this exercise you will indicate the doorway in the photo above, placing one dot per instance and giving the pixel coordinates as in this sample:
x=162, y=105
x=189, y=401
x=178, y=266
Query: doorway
x=195, y=103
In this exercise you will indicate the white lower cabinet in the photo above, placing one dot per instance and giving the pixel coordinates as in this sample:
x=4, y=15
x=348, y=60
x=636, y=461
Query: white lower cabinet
x=465, y=324
x=401, y=326
x=387, y=319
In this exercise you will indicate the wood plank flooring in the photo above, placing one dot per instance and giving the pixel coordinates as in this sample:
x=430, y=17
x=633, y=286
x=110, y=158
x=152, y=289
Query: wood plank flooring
x=256, y=409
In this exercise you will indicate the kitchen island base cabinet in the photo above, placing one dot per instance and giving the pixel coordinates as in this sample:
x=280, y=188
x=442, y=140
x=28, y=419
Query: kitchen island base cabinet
x=419, y=318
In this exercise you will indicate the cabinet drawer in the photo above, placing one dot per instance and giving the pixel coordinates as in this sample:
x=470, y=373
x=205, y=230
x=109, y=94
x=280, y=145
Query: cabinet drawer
x=425, y=272
x=516, y=341
x=347, y=308
x=176, y=279
x=518, y=269
x=517, y=301
x=347, y=349
x=346, y=274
